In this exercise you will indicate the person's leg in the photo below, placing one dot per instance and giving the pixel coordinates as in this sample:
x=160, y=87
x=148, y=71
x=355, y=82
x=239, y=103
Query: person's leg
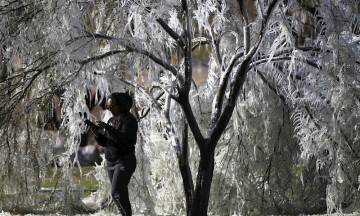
x=120, y=181
x=110, y=171
x=110, y=174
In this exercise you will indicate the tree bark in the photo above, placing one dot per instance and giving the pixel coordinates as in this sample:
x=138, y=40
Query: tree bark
x=186, y=171
x=203, y=183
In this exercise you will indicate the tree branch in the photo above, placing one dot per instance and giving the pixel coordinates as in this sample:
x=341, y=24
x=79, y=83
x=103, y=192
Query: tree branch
x=194, y=126
x=200, y=41
x=172, y=33
x=99, y=57
x=272, y=88
x=245, y=17
x=188, y=50
x=133, y=48
x=237, y=83
x=266, y=18
x=283, y=58
x=219, y=97
x=185, y=169
x=169, y=30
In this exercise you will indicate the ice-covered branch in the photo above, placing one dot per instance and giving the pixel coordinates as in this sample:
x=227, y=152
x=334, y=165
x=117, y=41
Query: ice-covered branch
x=183, y=90
x=188, y=48
x=172, y=33
x=39, y=64
x=285, y=55
x=311, y=9
x=270, y=86
x=200, y=41
x=282, y=58
x=238, y=81
x=266, y=18
x=99, y=57
x=219, y=97
x=7, y=109
x=131, y=46
x=169, y=30
x=146, y=112
x=245, y=18
x=143, y=91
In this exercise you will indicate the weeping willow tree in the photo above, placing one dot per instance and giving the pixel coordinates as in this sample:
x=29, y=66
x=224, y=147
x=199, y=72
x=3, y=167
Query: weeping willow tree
x=272, y=130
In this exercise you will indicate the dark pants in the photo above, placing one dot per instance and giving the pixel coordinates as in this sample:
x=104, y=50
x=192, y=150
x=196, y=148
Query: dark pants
x=120, y=174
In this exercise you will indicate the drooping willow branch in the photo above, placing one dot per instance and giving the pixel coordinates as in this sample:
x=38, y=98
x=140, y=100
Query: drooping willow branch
x=311, y=116
x=172, y=33
x=131, y=46
x=245, y=18
x=102, y=56
x=239, y=78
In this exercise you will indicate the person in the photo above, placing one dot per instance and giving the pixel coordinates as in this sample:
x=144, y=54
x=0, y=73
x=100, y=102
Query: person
x=118, y=136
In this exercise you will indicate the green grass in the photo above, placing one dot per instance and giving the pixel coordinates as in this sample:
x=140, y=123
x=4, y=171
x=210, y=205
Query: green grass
x=88, y=184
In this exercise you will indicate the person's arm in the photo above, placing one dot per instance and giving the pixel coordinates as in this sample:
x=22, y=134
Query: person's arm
x=101, y=139
x=124, y=133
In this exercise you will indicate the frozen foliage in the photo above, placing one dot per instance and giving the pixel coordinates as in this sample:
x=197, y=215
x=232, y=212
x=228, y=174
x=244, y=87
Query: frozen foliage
x=274, y=129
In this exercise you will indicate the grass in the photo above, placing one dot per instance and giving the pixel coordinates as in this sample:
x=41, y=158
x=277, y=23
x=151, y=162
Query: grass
x=88, y=184
x=46, y=200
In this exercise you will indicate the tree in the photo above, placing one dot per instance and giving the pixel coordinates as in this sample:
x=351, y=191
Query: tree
x=296, y=56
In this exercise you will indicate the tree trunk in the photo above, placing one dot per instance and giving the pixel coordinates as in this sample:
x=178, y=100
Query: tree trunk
x=188, y=185
x=186, y=171
x=203, y=184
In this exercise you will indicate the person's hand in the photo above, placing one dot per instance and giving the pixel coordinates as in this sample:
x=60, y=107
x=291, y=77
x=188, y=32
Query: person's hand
x=94, y=129
x=101, y=125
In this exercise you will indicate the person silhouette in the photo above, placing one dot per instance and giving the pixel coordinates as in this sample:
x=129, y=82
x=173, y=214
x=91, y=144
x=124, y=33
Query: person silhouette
x=119, y=136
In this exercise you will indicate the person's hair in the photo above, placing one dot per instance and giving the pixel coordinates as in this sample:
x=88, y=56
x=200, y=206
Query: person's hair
x=122, y=100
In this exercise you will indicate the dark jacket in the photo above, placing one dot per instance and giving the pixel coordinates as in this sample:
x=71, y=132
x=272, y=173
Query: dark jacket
x=119, y=141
